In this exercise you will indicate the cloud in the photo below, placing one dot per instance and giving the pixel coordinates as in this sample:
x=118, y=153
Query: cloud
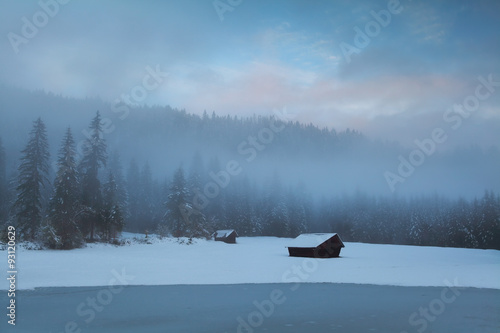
x=266, y=56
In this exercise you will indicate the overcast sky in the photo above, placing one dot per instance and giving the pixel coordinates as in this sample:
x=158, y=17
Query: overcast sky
x=261, y=55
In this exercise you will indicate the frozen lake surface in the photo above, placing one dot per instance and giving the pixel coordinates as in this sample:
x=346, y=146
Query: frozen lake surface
x=276, y=308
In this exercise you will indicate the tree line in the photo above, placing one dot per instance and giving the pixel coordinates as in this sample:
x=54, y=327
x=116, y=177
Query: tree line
x=92, y=198
x=77, y=208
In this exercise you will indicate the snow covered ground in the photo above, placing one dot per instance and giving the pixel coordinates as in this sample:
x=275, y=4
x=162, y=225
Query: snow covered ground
x=251, y=260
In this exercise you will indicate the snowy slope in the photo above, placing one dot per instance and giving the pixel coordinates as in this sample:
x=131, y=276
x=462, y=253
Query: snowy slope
x=253, y=260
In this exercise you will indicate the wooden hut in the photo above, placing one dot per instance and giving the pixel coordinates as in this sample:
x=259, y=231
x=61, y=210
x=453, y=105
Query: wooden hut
x=316, y=246
x=227, y=236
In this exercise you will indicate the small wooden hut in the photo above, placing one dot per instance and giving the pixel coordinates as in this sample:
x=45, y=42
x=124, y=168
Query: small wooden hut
x=227, y=236
x=316, y=246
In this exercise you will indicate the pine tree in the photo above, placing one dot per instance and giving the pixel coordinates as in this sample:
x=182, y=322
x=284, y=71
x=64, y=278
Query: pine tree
x=112, y=216
x=32, y=180
x=177, y=204
x=216, y=207
x=276, y=211
x=162, y=228
x=145, y=200
x=115, y=166
x=297, y=214
x=195, y=180
x=65, y=203
x=94, y=157
x=133, y=184
x=239, y=213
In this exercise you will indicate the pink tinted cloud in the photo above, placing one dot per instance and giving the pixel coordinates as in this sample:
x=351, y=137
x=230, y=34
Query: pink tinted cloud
x=372, y=105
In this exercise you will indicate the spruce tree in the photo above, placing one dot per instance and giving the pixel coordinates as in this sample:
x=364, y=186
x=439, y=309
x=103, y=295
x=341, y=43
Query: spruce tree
x=145, y=191
x=297, y=214
x=195, y=179
x=276, y=211
x=197, y=224
x=111, y=213
x=94, y=157
x=176, y=205
x=115, y=166
x=133, y=184
x=32, y=180
x=216, y=207
x=65, y=203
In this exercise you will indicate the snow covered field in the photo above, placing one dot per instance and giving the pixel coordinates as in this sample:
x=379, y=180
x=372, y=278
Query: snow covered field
x=252, y=260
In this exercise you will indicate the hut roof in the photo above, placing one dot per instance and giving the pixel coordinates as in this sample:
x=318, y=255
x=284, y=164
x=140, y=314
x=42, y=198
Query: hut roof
x=223, y=233
x=311, y=240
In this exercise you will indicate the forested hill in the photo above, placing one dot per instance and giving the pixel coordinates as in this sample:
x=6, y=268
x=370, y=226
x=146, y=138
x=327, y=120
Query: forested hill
x=331, y=162
x=263, y=175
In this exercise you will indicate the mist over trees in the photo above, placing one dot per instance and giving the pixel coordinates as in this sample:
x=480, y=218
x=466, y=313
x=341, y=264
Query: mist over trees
x=174, y=173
